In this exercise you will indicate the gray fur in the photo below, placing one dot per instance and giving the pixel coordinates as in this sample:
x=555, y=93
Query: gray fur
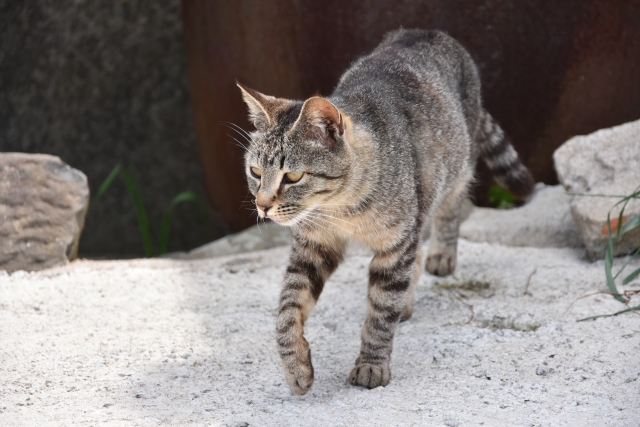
x=391, y=151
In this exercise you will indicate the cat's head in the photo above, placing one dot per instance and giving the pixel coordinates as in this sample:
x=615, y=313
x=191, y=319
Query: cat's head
x=298, y=157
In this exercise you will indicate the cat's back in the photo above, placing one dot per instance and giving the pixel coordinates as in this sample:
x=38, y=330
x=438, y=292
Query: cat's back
x=405, y=55
x=421, y=46
x=406, y=70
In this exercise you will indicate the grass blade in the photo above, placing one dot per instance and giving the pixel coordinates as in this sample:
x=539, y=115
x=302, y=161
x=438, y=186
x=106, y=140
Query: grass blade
x=143, y=221
x=632, y=276
x=631, y=258
x=636, y=308
x=107, y=183
x=620, y=219
x=187, y=196
x=608, y=264
x=621, y=230
x=633, y=223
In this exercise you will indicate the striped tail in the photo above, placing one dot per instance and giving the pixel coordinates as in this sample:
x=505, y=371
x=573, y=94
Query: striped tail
x=502, y=159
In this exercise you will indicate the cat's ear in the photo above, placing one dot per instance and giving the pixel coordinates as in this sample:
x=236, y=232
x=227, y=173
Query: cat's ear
x=319, y=120
x=262, y=108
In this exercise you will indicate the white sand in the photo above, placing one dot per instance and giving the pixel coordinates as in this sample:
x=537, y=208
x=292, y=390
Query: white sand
x=169, y=342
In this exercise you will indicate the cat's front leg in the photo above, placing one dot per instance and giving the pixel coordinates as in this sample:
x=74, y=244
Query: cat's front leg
x=389, y=278
x=310, y=265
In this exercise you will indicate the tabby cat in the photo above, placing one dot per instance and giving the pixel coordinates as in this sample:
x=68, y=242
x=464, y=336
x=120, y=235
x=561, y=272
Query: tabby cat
x=390, y=152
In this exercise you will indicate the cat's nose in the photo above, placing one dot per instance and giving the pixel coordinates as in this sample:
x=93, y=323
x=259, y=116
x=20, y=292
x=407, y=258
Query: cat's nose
x=264, y=209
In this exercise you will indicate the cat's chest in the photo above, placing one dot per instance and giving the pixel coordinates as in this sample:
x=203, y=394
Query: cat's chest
x=369, y=229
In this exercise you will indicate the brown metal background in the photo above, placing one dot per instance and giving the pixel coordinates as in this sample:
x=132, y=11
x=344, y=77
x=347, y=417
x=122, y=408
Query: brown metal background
x=550, y=69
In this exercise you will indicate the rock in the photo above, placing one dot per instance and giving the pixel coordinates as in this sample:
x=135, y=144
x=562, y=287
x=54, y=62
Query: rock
x=606, y=162
x=263, y=236
x=545, y=221
x=43, y=202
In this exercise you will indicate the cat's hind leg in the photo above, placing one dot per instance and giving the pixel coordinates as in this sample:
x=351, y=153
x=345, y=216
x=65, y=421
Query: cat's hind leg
x=443, y=243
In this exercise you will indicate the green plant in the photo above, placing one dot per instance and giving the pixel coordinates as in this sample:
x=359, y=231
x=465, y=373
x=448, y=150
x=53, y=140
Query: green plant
x=501, y=198
x=621, y=227
x=141, y=213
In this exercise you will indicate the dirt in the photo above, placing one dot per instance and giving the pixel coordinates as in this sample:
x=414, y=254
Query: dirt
x=174, y=342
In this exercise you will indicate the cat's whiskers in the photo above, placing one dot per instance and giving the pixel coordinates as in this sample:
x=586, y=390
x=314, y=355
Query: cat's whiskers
x=238, y=143
x=360, y=224
x=307, y=222
x=244, y=134
x=258, y=224
x=323, y=218
x=327, y=214
x=309, y=218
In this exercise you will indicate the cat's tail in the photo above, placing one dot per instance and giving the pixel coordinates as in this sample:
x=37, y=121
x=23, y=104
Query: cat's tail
x=502, y=159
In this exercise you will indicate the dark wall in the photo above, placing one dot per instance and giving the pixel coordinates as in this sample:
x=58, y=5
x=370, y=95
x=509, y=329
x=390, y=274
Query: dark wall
x=101, y=83
x=550, y=69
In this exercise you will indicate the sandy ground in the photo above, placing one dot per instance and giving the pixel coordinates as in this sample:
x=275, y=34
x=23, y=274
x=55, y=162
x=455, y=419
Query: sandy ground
x=171, y=342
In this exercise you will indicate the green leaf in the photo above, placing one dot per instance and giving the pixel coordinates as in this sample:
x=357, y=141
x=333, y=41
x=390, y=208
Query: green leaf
x=107, y=183
x=632, y=224
x=501, y=197
x=636, y=308
x=186, y=196
x=143, y=222
x=631, y=258
x=624, y=201
x=632, y=276
x=608, y=264
x=620, y=220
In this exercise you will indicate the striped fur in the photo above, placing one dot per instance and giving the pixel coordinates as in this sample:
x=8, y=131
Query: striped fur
x=390, y=152
x=500, y=157
x=310, y=265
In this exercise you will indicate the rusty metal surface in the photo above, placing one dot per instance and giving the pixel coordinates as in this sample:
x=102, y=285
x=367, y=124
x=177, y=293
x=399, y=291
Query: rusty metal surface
x=550, y=70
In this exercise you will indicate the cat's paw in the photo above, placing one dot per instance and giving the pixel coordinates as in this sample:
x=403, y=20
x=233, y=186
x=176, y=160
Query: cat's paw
x=370, y=376
x=442, y=263
x=299, y=374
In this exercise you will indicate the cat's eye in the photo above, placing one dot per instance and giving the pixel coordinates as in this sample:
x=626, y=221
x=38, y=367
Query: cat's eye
x=255, y=172
x=292, y=177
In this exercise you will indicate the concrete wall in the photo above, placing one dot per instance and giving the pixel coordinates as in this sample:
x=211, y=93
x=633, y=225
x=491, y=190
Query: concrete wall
x=100, y=83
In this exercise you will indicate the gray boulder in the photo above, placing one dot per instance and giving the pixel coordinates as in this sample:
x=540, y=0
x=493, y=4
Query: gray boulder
x=606, y=162
x=43, y=202
x=262, y=236
x=545, y=221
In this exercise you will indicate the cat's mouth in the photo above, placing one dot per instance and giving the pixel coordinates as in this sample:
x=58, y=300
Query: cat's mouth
x=287, y=215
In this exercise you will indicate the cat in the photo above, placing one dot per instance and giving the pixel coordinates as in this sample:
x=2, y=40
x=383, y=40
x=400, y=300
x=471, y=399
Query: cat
x=390, y=152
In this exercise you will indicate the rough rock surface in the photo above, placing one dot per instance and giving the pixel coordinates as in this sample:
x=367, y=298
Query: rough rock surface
x=43, y=202
x=191, y=343
x=261, y=236
x=606, y=162
x=545, y=221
